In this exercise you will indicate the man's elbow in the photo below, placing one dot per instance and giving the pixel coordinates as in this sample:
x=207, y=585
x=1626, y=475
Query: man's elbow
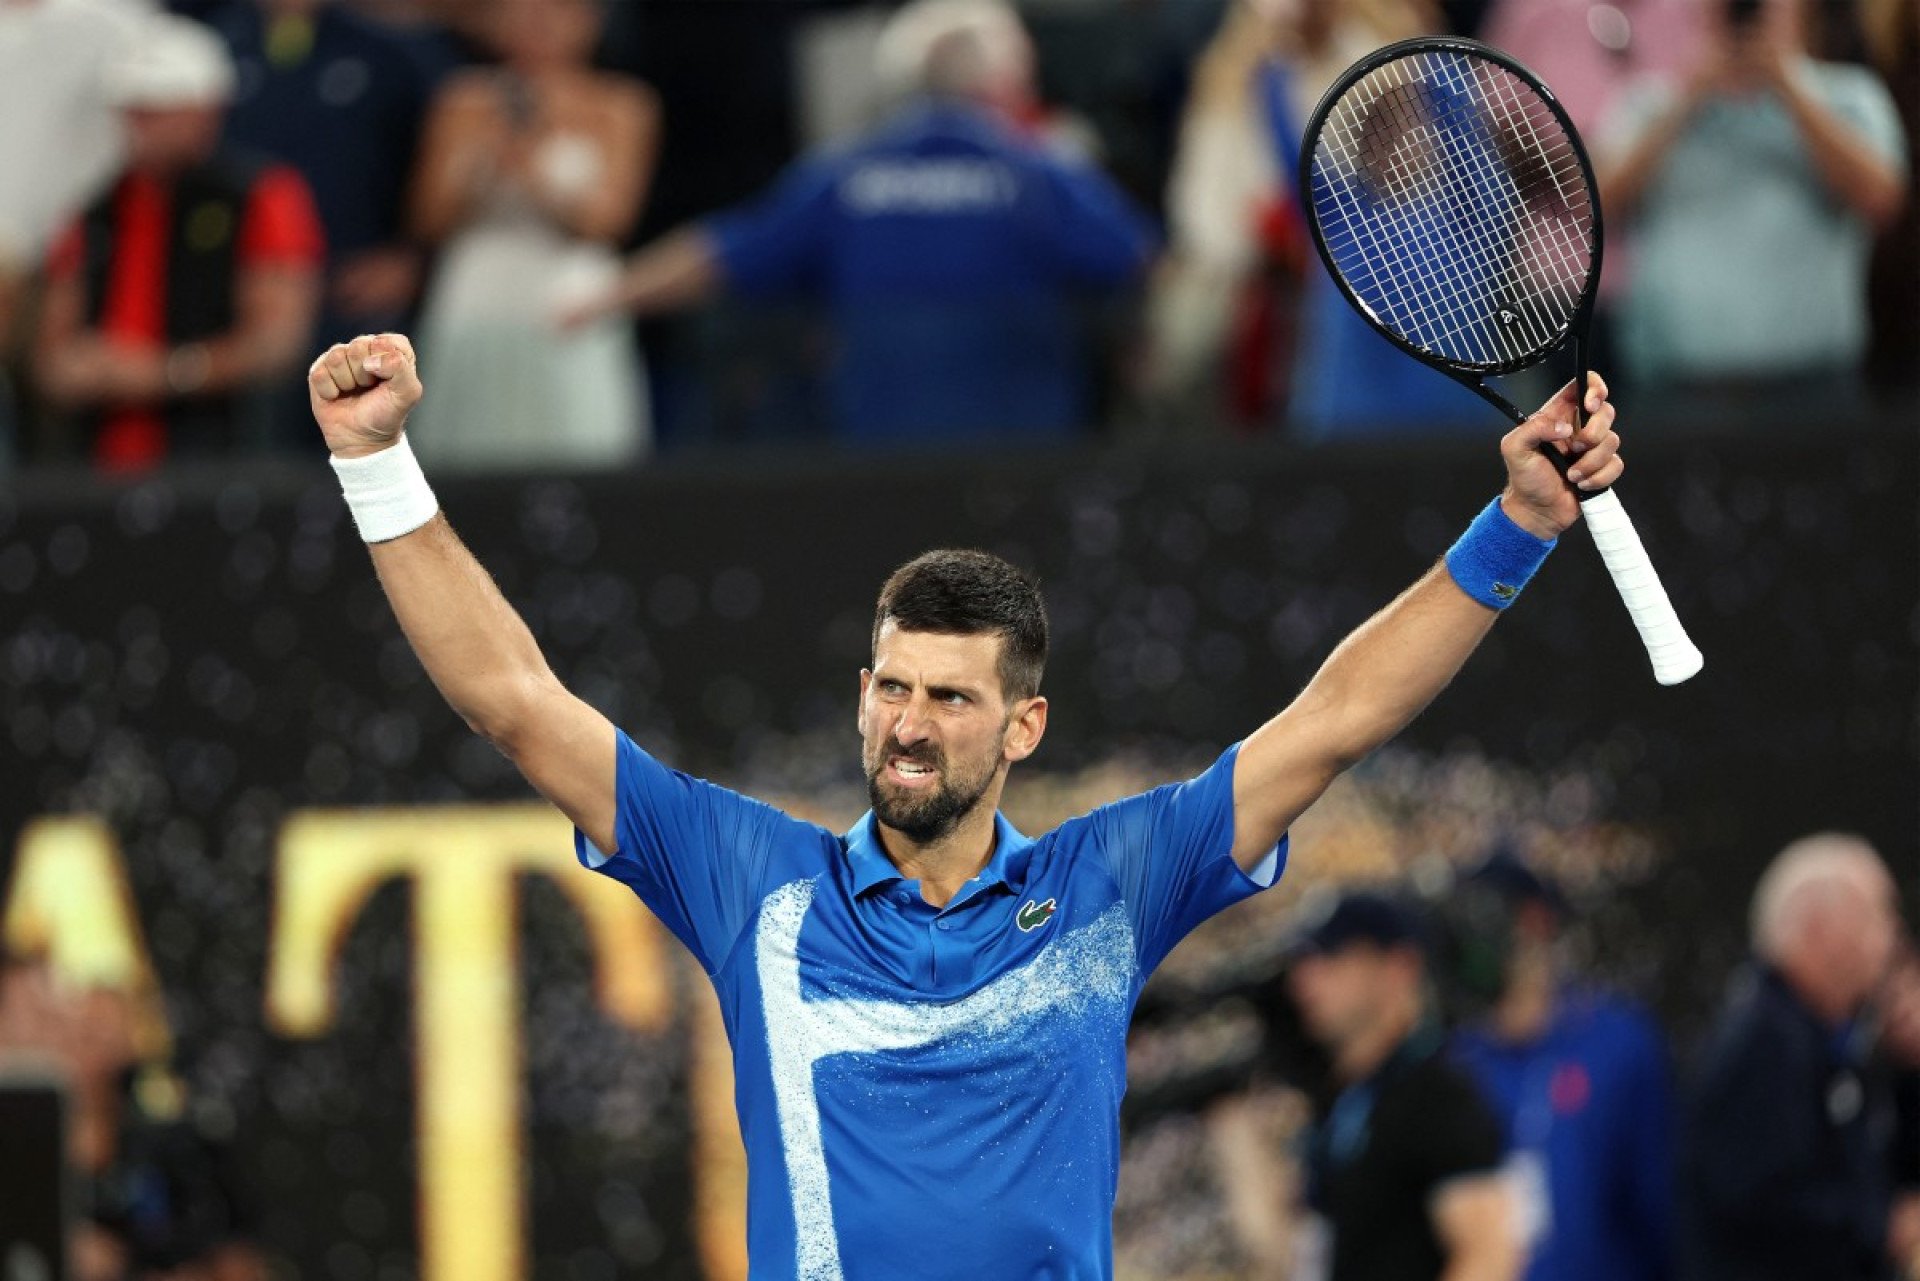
x=508, y=714
x=1340, y=724
x=1883, y=203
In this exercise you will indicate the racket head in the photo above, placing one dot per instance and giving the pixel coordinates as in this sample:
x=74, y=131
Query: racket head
x=1453, y=203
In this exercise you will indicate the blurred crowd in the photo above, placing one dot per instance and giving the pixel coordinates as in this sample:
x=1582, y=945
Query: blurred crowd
x=1435, y=1085
x=1445, y=1090
x=616, y=228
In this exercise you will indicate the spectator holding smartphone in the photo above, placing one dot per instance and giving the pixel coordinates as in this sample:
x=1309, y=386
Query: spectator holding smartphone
x=1755, y=186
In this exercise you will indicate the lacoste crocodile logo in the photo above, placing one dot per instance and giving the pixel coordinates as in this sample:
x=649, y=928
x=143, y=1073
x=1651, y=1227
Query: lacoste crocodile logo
x=1032, y=915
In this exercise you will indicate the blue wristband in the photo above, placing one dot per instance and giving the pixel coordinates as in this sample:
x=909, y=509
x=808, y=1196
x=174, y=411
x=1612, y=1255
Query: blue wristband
x=1495, y=557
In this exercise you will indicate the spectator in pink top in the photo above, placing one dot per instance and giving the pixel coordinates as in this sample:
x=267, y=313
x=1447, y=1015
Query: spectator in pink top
x=1587, y=49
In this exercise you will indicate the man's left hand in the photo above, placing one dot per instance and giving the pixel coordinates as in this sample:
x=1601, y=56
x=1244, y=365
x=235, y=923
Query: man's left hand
x=1536, y=498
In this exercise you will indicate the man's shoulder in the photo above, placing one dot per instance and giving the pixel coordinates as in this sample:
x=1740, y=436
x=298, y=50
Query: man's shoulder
x=1759, y=1023
x=1436, y=1076
x=346, y=32
x=1437, y=1090
x=1600, y=1013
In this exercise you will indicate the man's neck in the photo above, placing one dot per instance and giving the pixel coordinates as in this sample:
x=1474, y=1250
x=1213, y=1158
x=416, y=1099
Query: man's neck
x=1526, y=1007
x=1809, y=985
x=1368, y=1051
x=945, y=864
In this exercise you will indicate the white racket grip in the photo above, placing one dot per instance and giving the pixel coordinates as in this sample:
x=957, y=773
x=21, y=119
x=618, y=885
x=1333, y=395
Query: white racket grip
x=1675, y=656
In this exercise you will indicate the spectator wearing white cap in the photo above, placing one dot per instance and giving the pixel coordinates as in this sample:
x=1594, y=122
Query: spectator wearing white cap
x=192, y=284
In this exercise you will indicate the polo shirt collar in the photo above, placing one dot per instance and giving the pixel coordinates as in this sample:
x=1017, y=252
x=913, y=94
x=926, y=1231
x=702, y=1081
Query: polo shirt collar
x=867, y=858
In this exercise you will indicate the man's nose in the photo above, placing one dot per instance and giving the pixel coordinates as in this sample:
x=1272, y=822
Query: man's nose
x=912, y=726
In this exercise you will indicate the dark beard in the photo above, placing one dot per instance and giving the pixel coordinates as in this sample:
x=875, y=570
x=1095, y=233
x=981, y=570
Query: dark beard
x=925, y=819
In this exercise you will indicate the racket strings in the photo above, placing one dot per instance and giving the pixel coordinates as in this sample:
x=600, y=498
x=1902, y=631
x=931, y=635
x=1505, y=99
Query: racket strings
x=1448, y=314
x=1474, y=223
x=1456, y=207
x=1468, y=228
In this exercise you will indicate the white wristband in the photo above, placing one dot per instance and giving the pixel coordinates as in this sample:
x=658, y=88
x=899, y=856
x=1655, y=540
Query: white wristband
x=386, y=492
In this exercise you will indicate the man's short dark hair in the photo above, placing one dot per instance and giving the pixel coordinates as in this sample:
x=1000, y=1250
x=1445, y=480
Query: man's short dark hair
x=970, y=593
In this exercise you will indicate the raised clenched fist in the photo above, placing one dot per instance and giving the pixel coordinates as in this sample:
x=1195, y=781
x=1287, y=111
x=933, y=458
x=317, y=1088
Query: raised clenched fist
x=362, y=392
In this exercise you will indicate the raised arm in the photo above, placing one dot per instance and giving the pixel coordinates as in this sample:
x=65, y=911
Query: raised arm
x=1380, y=677
x=475, y=647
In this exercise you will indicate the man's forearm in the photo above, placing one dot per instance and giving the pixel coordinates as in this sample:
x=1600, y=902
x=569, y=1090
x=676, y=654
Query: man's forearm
x=1848, y=167
x=277, y=307
x=681, y=268
x=1397, y=662
x=475, y=647
x=1625, y=180
x=231, y=361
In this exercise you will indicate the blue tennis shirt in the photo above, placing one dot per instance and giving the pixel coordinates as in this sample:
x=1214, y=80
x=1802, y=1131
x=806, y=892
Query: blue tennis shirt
x=925, y=1091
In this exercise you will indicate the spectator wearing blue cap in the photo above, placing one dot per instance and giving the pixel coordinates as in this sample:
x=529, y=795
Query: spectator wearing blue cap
x=1580, y=1077
x=1404, y=1168
x=950, y=245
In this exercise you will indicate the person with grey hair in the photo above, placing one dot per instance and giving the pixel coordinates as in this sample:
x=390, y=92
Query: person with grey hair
x=949, y=244
x=1783, y=1172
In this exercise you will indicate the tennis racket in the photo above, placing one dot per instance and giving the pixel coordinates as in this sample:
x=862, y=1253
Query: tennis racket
x=1454, y=206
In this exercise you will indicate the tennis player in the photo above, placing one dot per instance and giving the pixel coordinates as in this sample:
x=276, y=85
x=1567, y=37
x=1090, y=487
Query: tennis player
x=928, y=1013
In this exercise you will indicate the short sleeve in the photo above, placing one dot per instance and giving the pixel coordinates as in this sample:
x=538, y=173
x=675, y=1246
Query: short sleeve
x=1457, y=1134
x=1171, y=853
x=1858, y=97
x=696, y=854
x=1639, y=107
x=282, y=226
x=779, y=241
x=1098, y=236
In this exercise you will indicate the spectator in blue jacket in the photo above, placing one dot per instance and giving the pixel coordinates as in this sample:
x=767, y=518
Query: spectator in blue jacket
x=949, y=245
x=1581, y=1079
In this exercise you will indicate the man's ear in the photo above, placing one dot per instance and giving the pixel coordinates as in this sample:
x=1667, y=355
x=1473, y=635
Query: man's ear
x=1025, y=728
x=860, y=716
